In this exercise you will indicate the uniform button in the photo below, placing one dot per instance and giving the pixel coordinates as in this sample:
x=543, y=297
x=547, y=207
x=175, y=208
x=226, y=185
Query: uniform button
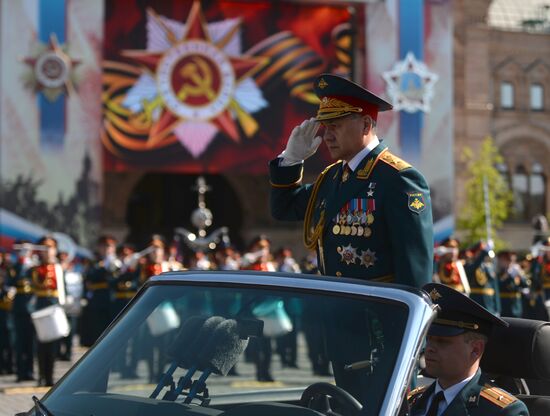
x=338, y=274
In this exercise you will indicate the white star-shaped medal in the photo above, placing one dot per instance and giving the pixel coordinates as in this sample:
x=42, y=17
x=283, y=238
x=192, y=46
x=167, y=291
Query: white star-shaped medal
x=370, y=193
x=348, y=253
x=367, y=258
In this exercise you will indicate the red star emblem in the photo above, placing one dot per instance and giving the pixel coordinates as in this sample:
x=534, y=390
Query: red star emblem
x=196, y=79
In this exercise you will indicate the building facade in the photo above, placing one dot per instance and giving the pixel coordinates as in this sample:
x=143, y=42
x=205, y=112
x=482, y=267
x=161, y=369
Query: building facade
x=502, y=90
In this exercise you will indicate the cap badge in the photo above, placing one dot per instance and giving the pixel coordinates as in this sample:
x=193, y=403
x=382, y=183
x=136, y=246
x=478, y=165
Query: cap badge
x=435, y=295
x=322, y=83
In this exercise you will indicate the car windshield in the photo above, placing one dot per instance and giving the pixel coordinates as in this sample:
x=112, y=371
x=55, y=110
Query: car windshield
x=183, y=348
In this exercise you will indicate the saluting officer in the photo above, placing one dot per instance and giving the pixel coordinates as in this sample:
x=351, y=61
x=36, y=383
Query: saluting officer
x=454, y=346
x=369, y=214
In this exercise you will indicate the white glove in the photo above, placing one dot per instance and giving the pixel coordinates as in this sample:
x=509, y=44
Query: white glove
x=302, y=142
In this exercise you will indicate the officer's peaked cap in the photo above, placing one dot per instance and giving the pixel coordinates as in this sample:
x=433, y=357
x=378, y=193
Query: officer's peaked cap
x=458, y=313
x=341, y=97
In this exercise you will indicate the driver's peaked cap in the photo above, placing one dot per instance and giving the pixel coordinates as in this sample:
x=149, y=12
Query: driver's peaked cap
x=458, y=313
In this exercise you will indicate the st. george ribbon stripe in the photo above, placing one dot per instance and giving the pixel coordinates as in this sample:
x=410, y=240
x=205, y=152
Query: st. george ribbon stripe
x=411, y=39
x=52, y=20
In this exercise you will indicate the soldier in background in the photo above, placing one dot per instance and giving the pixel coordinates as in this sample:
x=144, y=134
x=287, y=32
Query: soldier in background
x=258, y=257
x=74, y=285
x=449, y=269
x=6, y=302
x=540, y=282
x=98, y=281
x=49, y=288
x=482, y=278
x=24, y=331
x=151, y=347
x=512, y=282
x=287, y=345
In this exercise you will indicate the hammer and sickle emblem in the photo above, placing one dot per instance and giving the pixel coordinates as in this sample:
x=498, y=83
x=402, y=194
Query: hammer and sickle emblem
x=198, y=80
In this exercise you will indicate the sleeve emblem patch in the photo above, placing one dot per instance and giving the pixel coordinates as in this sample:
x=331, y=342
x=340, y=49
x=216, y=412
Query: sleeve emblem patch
x=416, y=202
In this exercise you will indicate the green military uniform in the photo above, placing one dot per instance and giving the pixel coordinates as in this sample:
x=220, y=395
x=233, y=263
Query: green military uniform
x=476, y=398
x=372, y=223
x=377, y=225
x=483, y=281
x=461, y=316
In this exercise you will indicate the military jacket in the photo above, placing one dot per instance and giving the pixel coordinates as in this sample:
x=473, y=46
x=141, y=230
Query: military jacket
x=477, y=398
x=18, y=278
x=483, y=283
x=46, y=280
x=449, y=275
x=545, y=277
x=98, y=281
x=376, y=225
x=510, y=287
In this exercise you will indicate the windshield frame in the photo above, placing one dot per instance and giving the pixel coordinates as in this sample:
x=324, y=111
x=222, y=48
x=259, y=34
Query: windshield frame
x=420, y=311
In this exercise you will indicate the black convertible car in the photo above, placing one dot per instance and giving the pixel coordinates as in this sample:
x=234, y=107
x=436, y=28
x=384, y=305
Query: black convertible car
x=217, y=343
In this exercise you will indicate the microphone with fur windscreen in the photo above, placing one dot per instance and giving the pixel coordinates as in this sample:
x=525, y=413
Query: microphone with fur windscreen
x=192, y=337
x=189, y=357
x=224, y=348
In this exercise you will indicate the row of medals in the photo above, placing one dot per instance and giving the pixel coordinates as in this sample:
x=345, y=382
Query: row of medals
x=356, y=225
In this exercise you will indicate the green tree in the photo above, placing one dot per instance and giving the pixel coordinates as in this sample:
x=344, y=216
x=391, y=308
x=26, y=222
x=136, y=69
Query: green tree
x=472, y=218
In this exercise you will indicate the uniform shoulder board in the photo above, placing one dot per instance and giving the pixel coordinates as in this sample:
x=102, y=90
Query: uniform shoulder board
x=414, y=394
x=497, y=396
x=394, y=161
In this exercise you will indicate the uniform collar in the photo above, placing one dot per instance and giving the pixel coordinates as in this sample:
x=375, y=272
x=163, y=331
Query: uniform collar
x=356, y=160
x=451, y=392
x=466, y=397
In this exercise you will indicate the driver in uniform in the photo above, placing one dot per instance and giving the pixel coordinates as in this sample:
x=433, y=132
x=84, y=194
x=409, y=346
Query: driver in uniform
x=454, y=346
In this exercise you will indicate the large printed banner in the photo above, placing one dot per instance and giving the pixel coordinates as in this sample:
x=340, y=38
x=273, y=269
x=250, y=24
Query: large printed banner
x=410, y=61
x=214, y=86
x=50, y=92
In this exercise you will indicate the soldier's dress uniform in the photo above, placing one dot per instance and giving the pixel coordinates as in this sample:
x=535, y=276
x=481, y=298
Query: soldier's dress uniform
x=477, y=398
x=125, y=287
x=483, y=281
x=46, y=280
x=24, y=330
x=448, y=274
x=373, y=223
x=151, y=347
x=534, y=305
x=97, y=313
x=511, y=284
x=6, y=302
x=474, y=397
